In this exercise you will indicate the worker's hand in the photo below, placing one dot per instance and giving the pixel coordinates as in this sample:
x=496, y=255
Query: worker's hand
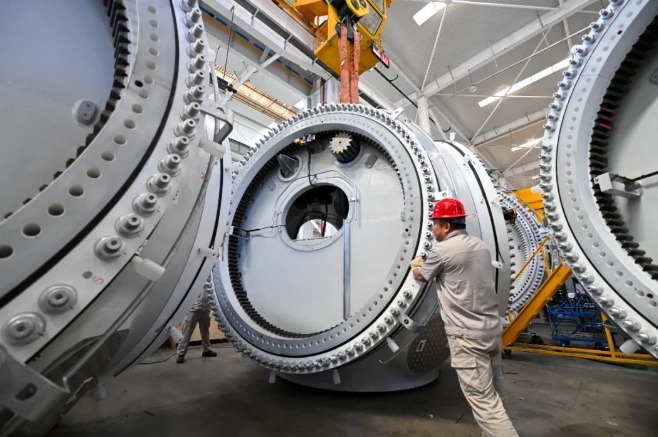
x=417, y=262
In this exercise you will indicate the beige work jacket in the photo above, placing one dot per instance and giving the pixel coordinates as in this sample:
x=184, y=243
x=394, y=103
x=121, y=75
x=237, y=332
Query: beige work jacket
x=465, y=282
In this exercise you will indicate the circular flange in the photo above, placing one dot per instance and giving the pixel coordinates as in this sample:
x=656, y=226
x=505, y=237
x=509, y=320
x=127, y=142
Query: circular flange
x=364, y=329
x=588, y=218
x=524, y=236
x=83, y=222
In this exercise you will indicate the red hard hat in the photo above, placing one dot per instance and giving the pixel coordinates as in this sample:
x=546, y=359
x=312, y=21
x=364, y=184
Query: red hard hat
x=448, y=208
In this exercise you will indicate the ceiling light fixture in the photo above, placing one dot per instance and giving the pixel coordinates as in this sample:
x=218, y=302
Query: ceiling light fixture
x=525, y=82
x=428, y=11
x=527, y=145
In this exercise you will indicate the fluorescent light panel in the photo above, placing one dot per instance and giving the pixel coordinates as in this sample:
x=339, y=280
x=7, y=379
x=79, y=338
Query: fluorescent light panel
x=525, y=82
x=527, y=145
x=428, y=11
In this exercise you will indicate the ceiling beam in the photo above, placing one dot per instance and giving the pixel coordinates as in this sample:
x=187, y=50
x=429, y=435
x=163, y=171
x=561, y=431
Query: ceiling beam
x=500, y=48
x=259, y=25
x=250, y=55
x=526, y=121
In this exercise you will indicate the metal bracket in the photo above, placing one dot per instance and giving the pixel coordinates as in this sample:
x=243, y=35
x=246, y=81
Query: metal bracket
x=24, y=391
x=407, y=322
x=223, y=115
x=395, y=114
x=617, y=186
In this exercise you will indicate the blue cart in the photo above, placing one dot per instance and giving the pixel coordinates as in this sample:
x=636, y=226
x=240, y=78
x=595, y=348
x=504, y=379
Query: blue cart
x=576, y=319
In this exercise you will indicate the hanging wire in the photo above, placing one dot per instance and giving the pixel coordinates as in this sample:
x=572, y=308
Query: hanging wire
x=230, y=40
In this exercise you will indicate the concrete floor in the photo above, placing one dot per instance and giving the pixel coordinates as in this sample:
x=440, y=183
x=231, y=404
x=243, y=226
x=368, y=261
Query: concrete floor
x=229, y=396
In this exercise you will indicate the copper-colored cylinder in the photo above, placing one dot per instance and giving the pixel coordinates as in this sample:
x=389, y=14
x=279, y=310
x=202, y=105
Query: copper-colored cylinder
x=344, y=66
x=354, y=79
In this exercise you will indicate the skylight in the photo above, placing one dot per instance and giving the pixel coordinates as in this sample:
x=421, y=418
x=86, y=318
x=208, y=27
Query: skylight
x=527, y=145
x=525, y=82
x=428, y=11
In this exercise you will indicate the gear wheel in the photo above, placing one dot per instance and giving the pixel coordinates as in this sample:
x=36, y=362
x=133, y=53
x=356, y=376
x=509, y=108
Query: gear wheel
x=344, y=148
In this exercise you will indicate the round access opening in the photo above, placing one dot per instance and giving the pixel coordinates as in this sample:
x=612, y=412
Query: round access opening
x=317, y=213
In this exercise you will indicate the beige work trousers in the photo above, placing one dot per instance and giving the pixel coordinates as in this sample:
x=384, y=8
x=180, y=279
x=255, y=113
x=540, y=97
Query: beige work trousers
x=479, y=367
x=191, y=320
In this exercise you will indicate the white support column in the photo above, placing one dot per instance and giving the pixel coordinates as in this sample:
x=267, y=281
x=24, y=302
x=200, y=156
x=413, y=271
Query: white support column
x=500, y=48
x=435, y=119
x=423, y=115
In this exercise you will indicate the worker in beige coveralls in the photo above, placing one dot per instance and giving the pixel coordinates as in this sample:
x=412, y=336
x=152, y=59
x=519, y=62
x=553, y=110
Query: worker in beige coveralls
x=461, y=265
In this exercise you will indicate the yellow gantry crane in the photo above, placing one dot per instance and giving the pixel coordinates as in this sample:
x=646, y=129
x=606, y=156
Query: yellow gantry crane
x=348, y=36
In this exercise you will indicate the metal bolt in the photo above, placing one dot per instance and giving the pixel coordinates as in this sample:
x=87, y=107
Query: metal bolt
x=196, y=78
x=407, y=294
x=365, y=341
x=617, y=312
x=547, y=196
x=427, y=245
x=358, y=347
x=552, y=116
x=559, y=95
x=569, y=74
x=381, y=327
x=195, y=32
x=564, y=84
x=179, y=146
x=109, y=247
x=572, y=257
x=159, y=184
x=555, y=107
x=544, y=166
x=186, y=127
x=547, y=147
x=560, y=236
x=130, y=225
x=195, y=94
x=193, y=17
x=646, y=337
x=145, y=204
x=550, y=206
x=546, y=186
x=394, y=312
x=187, y=5
x=57, y=299
x=606, y=14
x=191, y=111
x=606, y=301
x=549, y=127
x=170, y=164
x=581, y=50
x=589, y=39
x=388, y=319
x=196, y=47
x=374, y=335
x=565, y=246
x=401, y=303
x=334, y=359
x=586, y=278
x=595, y=289
x=196, y=64
x=556, y=226
x=597, y=27
x=24, y=328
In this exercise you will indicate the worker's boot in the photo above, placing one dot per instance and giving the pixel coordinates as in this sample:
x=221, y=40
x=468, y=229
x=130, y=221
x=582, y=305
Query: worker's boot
x=209, y=354
x=180, y=359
